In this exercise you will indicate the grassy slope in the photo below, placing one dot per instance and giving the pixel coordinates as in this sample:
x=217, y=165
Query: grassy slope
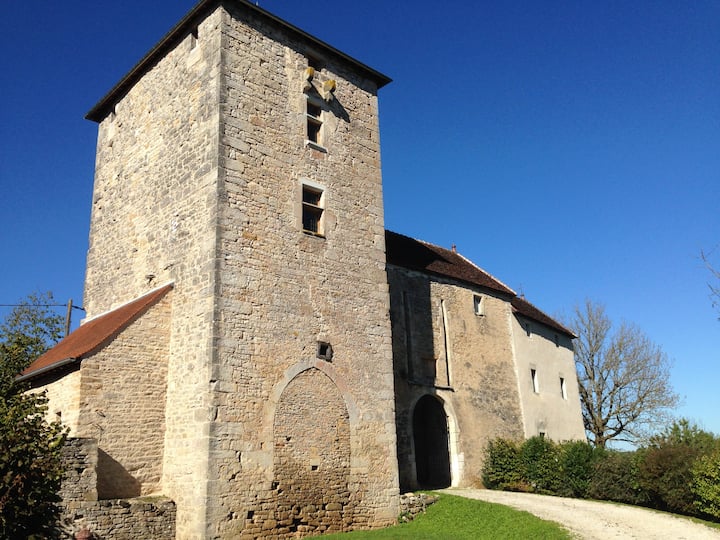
x=457, y=518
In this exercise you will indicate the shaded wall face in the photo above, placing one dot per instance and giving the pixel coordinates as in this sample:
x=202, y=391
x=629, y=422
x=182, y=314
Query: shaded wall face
x=551, y=403
x=154, y=217
x=122, y=406
x=473, y=374
x=282, y=290
x=63, y=393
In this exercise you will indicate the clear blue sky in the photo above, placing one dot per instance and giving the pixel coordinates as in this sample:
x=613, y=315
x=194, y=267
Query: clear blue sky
x=572, y=149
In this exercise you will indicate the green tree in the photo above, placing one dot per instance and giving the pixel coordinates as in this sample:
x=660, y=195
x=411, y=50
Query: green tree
x=30, y=447
x=624, y=378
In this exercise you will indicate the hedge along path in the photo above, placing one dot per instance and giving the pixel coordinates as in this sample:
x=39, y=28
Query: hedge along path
x=594, y=520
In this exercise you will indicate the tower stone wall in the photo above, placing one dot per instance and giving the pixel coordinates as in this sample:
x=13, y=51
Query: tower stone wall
x=200, y=175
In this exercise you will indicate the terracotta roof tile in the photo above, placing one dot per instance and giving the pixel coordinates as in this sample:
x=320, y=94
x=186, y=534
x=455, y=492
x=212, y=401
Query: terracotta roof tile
x=94, y=333
x=418, y=255
x=523, y=307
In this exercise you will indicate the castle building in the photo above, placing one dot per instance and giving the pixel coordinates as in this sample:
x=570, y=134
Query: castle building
x=257, y=347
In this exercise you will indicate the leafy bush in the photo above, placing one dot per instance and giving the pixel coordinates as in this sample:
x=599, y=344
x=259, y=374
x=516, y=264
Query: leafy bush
x=503, y=467
x=706, y=485
x=540, y=461
x=665, y=474
x=577, y=460
x=615, y=478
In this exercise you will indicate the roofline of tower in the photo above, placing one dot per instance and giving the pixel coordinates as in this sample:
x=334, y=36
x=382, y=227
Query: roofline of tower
x=178, y=32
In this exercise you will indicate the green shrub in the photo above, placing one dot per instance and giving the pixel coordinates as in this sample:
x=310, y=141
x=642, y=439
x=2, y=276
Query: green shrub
x=615, y=478
x=576, y=460
x=665, y=475
x=706, y=485
x=540, y=461
x=503, y=468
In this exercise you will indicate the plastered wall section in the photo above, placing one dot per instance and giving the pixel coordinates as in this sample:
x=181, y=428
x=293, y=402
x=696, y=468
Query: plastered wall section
x=122, y=405
x=63, y=393
x=281, y=290
x=154, y=217
x=442, y=348
x=546, y=407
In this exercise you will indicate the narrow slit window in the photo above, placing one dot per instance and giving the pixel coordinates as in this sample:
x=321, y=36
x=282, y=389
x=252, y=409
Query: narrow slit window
x=534, y=380
x=314, y=122
x=478, y=305
x=312, y=210
x=563, y=389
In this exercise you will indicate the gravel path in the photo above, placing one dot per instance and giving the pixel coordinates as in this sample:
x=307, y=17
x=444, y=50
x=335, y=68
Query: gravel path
x=593, y=520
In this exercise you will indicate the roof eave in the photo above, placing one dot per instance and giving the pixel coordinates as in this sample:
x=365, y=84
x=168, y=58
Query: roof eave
x=46, y=369
x=178, y=32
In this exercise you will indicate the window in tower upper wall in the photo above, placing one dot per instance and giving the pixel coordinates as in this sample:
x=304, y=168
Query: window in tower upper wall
x=314, y=122
x=312, y=210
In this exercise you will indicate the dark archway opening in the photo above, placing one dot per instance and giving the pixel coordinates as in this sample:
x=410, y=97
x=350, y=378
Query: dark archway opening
x=430, y=435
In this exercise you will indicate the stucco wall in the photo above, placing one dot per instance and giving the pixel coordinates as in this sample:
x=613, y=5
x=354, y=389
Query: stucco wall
x=550, y=354
x=435, y=333
x=63, y=393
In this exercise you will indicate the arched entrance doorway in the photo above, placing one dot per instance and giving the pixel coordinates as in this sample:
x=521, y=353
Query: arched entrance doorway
x=430, y=435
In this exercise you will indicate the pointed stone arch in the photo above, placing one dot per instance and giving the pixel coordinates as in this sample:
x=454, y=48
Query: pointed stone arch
x=311, y=459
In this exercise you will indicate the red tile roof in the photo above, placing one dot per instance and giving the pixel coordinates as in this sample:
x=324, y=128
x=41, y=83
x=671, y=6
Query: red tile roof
x=525, y=308
x=94, y=333
x=418, y=255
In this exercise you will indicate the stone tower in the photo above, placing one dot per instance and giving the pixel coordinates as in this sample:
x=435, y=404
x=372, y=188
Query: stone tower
x=239, y=162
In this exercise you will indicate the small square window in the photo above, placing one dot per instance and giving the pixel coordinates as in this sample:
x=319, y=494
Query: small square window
x=324, y=351
x=478, y=305
x=312, y=210
x=534, y=380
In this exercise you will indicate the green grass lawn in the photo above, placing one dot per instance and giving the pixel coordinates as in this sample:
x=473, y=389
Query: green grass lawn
x=457, y=518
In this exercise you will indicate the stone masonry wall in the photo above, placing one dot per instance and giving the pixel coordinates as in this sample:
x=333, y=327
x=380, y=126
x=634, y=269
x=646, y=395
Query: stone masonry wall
x=461, y=358
x=122, y=405
x=117, y=519
x=281, y=290
x=154, y=220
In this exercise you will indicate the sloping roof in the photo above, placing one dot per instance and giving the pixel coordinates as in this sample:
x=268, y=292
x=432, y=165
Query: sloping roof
x=91, y=335
x=525, y=308
x=201, y=10
x=418, y=255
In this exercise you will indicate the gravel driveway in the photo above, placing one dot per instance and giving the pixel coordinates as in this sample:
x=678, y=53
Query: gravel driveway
x=597, y=520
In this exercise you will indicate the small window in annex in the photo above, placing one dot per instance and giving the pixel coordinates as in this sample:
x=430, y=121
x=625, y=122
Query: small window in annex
x=563, y=389
x=534, y=380
x=312, y=210
x=478, y=305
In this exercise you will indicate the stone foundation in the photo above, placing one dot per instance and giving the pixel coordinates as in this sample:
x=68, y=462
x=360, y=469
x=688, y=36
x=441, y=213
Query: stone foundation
x=84, y=516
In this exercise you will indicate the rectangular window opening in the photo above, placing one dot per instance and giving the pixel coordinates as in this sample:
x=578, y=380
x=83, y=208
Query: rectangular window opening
x=478, y=305
x=534, y=379
x=314, y=122
x=312, y=210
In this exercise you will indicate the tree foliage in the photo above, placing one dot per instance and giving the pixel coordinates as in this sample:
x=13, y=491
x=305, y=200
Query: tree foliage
x=624, y=378
x=30, y=447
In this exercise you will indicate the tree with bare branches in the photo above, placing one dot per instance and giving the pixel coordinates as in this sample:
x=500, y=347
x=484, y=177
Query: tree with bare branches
x=714, y=285
x=624, y=378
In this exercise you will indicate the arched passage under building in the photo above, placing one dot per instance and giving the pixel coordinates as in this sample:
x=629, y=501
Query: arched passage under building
x=430, y=438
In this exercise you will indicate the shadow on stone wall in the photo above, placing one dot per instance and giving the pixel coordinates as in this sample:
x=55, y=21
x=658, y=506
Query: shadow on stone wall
x=113, y=480
x=84, y=516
